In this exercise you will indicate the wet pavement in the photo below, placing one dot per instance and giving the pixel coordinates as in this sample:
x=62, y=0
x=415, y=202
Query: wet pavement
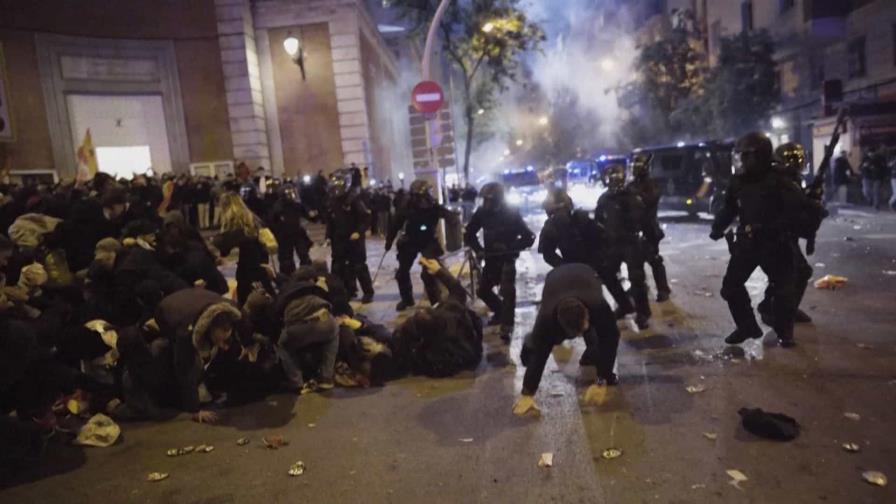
x=455, y=440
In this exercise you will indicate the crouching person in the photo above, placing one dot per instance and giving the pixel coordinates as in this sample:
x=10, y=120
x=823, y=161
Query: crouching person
x=167, y=368
x=572, y=305
x=439, y=341
x=308, y=342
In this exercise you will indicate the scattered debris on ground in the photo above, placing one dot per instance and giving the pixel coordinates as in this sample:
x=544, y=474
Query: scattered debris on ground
x=712, y=436
x=852, y=416
x=776, y=426
x=297, y=469
x=611, y=453
x=851, y=447
x=100, y=431
x=546, y=460
x=830, y=282
x=695, y=389
x=242, y=441
x=737, y=477
x=875, y=478
x=275, y=442
x=156, y=476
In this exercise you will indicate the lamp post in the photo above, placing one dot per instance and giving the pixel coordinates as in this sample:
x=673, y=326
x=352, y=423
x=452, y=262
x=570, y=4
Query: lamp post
x=294, y=49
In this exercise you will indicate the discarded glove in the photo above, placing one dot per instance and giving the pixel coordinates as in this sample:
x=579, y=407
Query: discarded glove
x=775, y=426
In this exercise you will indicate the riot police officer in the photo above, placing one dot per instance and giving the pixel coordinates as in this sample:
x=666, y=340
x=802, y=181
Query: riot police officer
x=770, y=211
x=650, y=193
x=505, y=235
x=416, y=217
x=790, y=158
x=285, y=220
x=622, y=213
x=347, y=223
x=579, y=239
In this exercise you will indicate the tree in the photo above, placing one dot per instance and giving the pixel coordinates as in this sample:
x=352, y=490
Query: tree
x=670, y=72
x=484, y=40
x=741, y=90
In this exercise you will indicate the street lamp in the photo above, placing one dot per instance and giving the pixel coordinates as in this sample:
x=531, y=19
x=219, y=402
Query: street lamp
x=488, y=27
x=296, y=52
x=519, y=143
x=506, y=152
x=306, y=179
x=607, y=64
x=481, y=111
x=543, y=120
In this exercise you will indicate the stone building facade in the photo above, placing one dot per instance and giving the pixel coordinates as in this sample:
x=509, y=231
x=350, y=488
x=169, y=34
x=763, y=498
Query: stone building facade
x=213, y=74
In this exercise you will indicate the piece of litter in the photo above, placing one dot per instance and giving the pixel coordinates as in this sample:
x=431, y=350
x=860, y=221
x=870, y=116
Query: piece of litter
x=831, y=282
x=312, y=425
x=297, y=469
x=712, y=436
x=890, y=272
x=274, y=442
x=864, y=346
x=156, y=476
x=674, y=280
x=695, y=389
x=820, y=265
x=875, y=478
x=242, y=441
x=698, y=486
x=851, y=447
x=204, y=448
x=737, y=478
x=857, y=227
x=611, y=453
x=546, y=460
x=852, y=416
x=466, y=440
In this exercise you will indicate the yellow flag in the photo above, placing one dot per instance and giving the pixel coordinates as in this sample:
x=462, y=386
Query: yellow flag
x=87, y=156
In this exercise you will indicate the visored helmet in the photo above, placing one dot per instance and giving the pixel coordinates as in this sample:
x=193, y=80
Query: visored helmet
x=752, y=154
x=792, y=157
x=556, y=202
x=340, y=184
x=289, y=191
x=492, y=195
x=641, y=165
x=614, y=178
x=421, y=194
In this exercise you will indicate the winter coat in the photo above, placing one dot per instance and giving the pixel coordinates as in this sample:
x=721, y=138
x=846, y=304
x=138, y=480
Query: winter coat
x=842, y=171
x=184, y=317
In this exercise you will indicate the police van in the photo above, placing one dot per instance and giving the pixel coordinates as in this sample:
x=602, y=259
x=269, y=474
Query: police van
x=691, y=176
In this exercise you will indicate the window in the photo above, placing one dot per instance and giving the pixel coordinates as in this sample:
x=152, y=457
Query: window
x=746, y=16
x=855, y=54
x=785, y=5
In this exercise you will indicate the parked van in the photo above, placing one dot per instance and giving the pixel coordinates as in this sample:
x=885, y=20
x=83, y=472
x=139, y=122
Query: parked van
x=692, y=177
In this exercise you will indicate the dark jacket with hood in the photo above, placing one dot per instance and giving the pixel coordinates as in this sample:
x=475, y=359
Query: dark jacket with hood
x=184, y=317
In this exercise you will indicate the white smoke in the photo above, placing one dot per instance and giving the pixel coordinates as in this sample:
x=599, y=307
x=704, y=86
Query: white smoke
x=589, y=51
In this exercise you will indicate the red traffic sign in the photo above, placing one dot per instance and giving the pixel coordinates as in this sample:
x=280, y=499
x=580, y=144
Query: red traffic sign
x=428, y=97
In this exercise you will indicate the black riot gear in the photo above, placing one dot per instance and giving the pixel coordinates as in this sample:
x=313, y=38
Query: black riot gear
x=614, y=178
x=623, y=214
x=650, y=194
x=340, y=185
x=421, y=195
x=641, y=165
x=416, y=219
x=505, y=235
x=792, y=158
x=285, y=220
x=347, y=222
x=492, y=195
x=770, y=209
x=752, y=155
x=557, y=202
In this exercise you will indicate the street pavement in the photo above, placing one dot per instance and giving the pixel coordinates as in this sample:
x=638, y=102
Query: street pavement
x=455, y=440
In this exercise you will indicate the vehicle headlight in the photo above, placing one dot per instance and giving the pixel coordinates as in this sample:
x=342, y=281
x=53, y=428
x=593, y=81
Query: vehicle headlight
x=514, y=198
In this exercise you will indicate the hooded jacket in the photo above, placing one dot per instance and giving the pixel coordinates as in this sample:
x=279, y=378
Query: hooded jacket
x=184, y=317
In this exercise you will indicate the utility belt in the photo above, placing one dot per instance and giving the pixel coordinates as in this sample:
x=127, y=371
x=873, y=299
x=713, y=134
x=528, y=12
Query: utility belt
x=760, y=232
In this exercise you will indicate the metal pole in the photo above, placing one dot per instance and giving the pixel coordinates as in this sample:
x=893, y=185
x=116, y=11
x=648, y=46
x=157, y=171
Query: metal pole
x=431, y=36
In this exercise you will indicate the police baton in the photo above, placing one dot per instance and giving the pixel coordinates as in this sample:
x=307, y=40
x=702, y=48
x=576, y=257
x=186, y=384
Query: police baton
x=729, y=238
x=385, y=253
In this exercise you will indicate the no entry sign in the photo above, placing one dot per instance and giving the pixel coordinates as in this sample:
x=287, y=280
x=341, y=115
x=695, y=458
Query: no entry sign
x=428, y=97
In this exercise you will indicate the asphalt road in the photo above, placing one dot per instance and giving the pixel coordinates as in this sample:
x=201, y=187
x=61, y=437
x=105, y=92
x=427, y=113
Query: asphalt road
x=455, y=440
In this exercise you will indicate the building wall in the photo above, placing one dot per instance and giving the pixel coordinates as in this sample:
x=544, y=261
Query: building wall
x=192, y=26
x=31, y=149
x=309, y=119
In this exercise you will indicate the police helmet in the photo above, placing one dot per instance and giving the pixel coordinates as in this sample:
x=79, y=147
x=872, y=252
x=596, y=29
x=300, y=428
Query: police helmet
x=791, y=156
x=492, y=195
x=614, y=177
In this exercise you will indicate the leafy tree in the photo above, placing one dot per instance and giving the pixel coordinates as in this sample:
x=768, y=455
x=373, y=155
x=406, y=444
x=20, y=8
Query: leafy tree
x=670, y=72
x=741, y=91
x=485, y=41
